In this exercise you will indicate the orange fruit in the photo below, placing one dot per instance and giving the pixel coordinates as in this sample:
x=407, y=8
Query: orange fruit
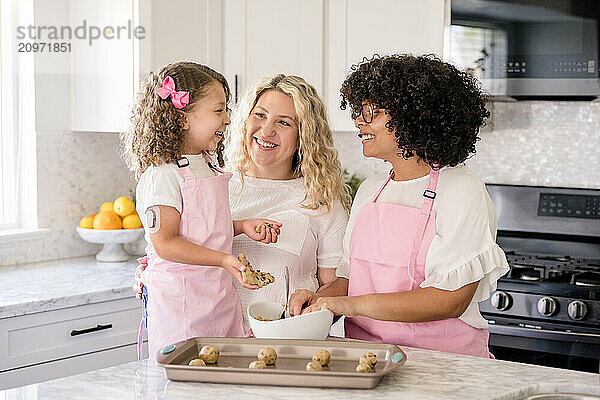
x=107, y=220
x=132, y=221
x=123, y=206
x=108, y=206
x=87, y=222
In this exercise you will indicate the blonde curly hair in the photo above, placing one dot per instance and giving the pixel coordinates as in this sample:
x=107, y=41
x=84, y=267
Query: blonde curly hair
x=156, y=134
x=316, y=160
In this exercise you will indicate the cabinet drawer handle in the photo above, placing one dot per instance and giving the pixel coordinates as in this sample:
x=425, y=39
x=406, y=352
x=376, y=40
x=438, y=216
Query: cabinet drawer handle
x=75, y=332
x=236, y=90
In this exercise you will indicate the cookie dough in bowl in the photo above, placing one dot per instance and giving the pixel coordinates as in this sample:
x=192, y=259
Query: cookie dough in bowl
x=314, y=326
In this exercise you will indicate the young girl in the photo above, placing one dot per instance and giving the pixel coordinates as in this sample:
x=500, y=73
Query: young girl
x=181, y=115
x=420, y=242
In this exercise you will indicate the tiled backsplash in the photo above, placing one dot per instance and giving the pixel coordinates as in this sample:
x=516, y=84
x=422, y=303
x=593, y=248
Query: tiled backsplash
x=77, y=171
x=529, y=143
x=542, y=143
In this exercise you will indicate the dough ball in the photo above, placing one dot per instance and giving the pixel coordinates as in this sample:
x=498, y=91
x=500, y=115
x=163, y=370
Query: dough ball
x=362, y=367
x=322, y=357
x=368, y=358
x=314, y=366
x=268, y=355
x=209, y=354
x=258, y=228
x=258, y=364
x=197, y=362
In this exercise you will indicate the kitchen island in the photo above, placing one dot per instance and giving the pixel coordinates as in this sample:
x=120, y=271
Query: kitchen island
x=426, y=375
x=66, y=285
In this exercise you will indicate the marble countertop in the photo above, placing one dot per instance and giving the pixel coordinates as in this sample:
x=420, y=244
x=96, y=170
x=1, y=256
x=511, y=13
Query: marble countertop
x=38, y=287
x=427, y=375
x=51, y=285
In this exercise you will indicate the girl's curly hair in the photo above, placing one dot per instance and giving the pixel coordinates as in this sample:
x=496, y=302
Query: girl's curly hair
x=317, y=159
x=156, y=136
x=435, y=110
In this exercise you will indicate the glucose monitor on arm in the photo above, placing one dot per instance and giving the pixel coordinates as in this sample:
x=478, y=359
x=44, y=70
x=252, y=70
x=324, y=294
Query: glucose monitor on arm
x=153, y=219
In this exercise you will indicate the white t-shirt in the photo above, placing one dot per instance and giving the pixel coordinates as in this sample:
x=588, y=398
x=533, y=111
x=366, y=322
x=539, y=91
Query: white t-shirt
x=160, y=186
x=309, y=239
x=464, y=248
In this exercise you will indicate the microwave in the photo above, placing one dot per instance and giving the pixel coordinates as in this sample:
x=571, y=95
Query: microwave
x=528, y=49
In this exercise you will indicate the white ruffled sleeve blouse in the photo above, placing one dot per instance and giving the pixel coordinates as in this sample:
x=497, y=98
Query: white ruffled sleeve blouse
x=464, y=248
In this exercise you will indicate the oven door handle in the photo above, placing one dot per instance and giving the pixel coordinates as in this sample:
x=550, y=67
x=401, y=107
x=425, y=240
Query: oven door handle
x=544, y=334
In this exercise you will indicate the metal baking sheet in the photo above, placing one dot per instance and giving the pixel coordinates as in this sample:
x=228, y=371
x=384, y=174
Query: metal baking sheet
x=289, y=370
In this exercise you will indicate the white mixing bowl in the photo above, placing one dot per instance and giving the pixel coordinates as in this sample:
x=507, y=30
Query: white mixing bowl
x=313, y=325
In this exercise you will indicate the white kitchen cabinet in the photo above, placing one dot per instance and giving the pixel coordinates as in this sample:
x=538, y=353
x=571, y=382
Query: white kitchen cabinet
x=266, y=37
x=357, y=29
x=53, y=344
x=104, y=71
x=321, y=39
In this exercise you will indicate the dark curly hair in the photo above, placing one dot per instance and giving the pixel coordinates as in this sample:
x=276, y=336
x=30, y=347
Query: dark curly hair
x=435, y=110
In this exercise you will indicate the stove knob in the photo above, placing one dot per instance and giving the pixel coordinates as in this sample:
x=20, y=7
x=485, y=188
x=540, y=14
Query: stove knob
x=547, y=306
x=577, y=310
x=500, y=300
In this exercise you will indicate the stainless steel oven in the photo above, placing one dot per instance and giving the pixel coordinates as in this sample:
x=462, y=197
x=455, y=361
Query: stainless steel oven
x=528, y=49
x=547, y=308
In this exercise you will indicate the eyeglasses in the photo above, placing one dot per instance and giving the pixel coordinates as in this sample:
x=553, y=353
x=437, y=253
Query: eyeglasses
x=367, y=111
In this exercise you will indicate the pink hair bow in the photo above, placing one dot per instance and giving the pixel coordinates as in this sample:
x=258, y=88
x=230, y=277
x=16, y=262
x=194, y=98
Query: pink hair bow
x=179, y=99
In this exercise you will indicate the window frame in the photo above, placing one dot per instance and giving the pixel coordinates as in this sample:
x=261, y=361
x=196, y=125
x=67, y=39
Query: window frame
x=18, y=134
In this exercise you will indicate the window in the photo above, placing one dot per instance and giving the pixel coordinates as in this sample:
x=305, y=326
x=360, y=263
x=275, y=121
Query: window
x=18, y=198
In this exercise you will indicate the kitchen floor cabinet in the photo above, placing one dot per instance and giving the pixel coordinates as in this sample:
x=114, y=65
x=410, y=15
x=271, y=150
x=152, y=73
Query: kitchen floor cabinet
x=53, y=344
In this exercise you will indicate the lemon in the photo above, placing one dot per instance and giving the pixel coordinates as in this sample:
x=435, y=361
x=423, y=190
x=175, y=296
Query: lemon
x=108, y=206
x=107, y=220
x=132, y=221
x=87, y=222
x=123, y=206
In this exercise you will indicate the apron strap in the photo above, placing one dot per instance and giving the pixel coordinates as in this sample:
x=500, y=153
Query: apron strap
x=184, y=168
x=428, y=196
x=143, y=323
x=382, y=186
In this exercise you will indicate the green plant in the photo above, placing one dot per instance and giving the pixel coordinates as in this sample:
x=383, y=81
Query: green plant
x=132, y=195
x=353, y=181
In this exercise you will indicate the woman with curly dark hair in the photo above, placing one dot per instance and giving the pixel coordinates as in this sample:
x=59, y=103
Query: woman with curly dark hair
x=420, y=244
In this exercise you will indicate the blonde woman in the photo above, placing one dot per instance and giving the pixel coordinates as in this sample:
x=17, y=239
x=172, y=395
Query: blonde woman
x=285, y=166
x=280, y=150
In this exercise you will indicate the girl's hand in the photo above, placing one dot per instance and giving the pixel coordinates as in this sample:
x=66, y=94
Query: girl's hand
x=232, y=265
x=261, y=230
x=300, y=298
x=344, y=305
x=137, y=283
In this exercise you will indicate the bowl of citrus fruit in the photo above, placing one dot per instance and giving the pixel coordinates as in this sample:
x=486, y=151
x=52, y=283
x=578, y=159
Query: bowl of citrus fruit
x=113, y=225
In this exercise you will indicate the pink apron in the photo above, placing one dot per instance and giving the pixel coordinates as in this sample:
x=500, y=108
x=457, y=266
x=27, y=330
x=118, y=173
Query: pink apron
x=388, y=250
x=186, y=301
